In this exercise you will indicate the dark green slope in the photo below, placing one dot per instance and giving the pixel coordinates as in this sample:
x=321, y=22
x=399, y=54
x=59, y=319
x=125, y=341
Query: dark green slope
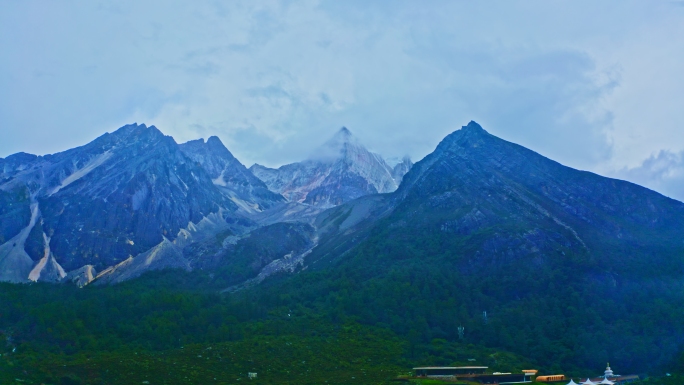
x=573, y=269
x=140, y=330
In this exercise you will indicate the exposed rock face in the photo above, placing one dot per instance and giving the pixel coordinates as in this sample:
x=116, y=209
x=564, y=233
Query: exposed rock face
x=15, y=212
x=165, y=255
x=481, y=182
x=81, y=276
x=103, y=202
x=484, y=224
x=339, y=171
x=511, y=205
x=232, y=178
x=400, y=169
x=262, y=252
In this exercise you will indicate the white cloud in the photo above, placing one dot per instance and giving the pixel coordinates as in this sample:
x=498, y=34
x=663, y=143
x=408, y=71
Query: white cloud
x=274, y=79
x=662, y=172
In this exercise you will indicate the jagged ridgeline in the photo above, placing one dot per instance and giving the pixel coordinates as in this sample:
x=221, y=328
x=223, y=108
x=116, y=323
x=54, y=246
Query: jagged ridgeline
x=134, y=192
x=134, y=200
x=562, y=266
x=570, y=267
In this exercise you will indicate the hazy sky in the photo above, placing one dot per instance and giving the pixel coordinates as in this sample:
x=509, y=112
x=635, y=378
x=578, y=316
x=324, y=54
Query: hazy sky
x=596, y=85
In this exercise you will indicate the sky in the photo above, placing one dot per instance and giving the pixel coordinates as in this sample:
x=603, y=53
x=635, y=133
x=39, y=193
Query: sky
x=595, y=85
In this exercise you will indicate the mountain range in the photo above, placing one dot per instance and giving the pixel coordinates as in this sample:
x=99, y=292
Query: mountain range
x=337, y=172
x=560, y=265
x=526, y=254
x=132, y=200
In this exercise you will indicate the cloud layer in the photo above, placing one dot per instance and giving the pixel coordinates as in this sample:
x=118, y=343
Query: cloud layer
x=663, y=172
x=275, y=79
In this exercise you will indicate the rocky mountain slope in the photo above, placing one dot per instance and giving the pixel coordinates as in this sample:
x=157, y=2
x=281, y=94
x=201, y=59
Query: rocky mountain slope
x=554, y=263
x=231, y=176
x=526, y=204
x=123, y=194
x=340, y=170
x=528, y=255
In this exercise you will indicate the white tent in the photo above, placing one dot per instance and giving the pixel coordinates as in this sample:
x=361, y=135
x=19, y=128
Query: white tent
x=606, y=382
x=572, y=382
x=588, y=382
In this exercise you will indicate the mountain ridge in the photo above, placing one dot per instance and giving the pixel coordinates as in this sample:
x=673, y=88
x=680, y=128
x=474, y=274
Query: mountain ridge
x=129, y=190
x=563, y=266
x=554, y=256
x=229, y=175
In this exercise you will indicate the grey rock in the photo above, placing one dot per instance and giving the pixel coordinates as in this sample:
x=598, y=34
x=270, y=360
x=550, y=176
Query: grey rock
x=15, y=263
x=81, y=276
x=112, y=198
x=165, y=255
x=232, y=178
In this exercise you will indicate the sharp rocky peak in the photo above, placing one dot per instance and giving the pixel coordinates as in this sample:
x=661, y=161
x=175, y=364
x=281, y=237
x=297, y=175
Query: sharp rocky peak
x=136, y=135
x=470, y=135
x=228, y=173
x=216, y=146
x=473, y=126
x=213, y=146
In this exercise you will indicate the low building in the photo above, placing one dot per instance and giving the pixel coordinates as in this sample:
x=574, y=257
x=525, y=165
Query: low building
x=474, y=373
x=449, y=371
x=503, y=378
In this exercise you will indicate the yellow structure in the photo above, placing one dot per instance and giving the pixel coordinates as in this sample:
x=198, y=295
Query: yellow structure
x=552, y=378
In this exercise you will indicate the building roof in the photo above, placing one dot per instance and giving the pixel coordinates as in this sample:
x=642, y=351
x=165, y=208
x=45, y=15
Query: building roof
x=451, y=367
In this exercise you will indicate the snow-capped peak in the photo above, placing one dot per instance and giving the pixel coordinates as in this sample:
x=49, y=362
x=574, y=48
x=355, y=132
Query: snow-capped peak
x=339, y=170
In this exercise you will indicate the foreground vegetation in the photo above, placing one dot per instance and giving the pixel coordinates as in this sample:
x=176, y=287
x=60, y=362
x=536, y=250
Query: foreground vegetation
x=341, y=325
x=324, y=356
x=146, y=331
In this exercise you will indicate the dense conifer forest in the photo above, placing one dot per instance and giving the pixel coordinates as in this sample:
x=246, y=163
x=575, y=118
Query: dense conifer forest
x=305, y=329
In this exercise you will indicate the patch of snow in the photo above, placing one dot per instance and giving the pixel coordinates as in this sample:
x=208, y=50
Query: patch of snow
x=219, y=180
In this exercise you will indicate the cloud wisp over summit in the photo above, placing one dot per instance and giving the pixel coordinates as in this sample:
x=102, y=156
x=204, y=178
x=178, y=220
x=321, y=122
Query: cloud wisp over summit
x=275, y=79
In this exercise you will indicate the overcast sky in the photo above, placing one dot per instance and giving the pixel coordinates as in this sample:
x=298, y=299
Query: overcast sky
x=596, y=85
